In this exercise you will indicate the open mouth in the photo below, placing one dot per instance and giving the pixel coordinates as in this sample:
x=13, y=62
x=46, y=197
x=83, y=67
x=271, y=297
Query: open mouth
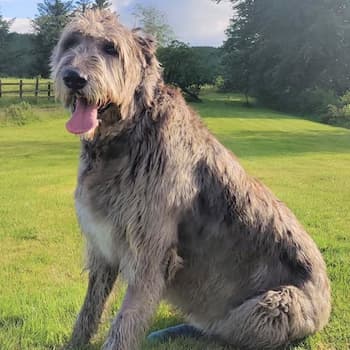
x=101, y=107
x=85, y=115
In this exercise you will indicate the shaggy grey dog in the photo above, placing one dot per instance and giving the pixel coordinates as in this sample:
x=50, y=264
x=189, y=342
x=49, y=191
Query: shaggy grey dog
x=163, y=204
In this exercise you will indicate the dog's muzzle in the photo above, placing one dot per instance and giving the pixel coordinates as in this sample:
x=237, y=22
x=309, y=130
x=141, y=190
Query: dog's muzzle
x=74, y=80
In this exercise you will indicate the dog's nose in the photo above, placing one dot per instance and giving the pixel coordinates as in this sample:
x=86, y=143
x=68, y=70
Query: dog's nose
x=73, y=79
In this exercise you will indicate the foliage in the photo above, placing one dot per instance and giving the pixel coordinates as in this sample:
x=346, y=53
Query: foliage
x=18, y=114
x=219, y=83
x=154, y=22
x=17, y=56
x=238, y=50
x=52, y=16
x=339, y=113
x=183, y=68
x=31, y=52
x=4, y=40
x=21, y=57
x=27, y=55
x=314, y=100
x=277, y=50
x=83, y=5
x=4, y=30
x=101, y=4
x=209, y=58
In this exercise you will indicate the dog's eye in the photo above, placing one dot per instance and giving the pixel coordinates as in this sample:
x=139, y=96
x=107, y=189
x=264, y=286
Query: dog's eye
x=69, y=43
x=110, y=49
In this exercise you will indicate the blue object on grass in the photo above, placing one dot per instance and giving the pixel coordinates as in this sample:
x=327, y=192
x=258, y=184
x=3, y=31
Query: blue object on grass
x=182, y=330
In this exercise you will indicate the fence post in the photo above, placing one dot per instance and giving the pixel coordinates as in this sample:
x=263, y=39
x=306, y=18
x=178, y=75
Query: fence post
x=21, y=89
x=36, y=92
x=0, y=88
x=48, y=90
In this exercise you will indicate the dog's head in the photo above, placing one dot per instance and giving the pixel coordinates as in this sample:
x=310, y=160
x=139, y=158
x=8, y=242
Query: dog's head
x=97, y=64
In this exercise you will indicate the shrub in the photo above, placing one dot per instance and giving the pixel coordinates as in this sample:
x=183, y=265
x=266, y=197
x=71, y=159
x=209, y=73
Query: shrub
x=345, y=99
x=19, y=113
x=339, y=113
x=316, y=101
x=220, y=83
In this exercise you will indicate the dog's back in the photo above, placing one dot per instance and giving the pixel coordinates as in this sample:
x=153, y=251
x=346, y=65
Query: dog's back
x=237, y=240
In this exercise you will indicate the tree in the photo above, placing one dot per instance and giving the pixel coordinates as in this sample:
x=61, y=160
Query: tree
x=4, y=30
x=238, y=50
x=83, y=5
x=283, y=51
x=52, y=16
x=209, y=60
x=20, y=60
x=4, y=40
x=101, y=4
x=183, y=68
x=153, y=22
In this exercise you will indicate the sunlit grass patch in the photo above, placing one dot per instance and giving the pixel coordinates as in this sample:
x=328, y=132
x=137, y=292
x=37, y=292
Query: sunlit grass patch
x=306, y=164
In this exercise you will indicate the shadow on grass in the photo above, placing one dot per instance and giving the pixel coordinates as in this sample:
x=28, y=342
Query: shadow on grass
x=227, y=108
x=279, y=143
x=233, y=106
x=195, y=344
x=8, y=322
x=188, y=343
x=242, y=143
x=45, y=150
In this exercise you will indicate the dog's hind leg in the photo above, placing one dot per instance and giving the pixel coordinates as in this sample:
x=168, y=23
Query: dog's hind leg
x=272, y=319
x=101, y=280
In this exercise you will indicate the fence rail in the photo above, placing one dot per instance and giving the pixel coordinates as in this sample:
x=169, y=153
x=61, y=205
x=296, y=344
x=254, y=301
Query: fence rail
x=38, y=89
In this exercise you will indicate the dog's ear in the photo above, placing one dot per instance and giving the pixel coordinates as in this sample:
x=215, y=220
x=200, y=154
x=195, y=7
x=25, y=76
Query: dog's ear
x=146, y=42
x=150, y=67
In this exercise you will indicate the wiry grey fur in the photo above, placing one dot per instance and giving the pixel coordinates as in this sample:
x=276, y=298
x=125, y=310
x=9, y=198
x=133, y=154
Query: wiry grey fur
x=166, y=206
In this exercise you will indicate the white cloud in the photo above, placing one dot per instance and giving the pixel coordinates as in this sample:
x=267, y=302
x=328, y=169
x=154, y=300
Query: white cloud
x=21, y=25
x=118, y=4
x=198, y=22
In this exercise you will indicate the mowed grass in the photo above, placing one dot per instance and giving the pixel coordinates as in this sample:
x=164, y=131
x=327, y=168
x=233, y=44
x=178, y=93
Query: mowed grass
x=42, y=286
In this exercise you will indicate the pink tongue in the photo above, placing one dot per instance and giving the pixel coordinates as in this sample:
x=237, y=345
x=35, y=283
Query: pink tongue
x=83, y=119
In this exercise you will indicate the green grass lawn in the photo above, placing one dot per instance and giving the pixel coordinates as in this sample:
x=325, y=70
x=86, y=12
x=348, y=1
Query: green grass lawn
x=306, y=164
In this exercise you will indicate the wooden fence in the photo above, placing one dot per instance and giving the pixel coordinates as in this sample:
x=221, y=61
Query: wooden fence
x=25, y=89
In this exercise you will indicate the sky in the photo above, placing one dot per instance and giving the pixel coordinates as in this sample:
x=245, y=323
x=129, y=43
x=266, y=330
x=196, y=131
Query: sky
x=196, y=22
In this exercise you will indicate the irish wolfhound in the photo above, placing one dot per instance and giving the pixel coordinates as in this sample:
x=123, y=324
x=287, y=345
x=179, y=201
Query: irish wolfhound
x=165, y=205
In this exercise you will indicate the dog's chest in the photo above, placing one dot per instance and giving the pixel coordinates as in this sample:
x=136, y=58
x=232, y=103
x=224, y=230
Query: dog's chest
x=99, y=233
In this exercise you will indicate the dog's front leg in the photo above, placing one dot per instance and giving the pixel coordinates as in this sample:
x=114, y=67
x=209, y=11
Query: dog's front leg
x=101, y=281
x=139, y=305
